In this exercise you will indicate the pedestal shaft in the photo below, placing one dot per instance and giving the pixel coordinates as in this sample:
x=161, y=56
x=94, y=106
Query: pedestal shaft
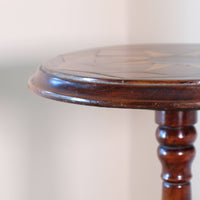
x=176, y=135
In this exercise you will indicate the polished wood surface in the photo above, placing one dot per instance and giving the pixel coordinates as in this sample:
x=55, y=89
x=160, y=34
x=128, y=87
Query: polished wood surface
x=165, y=78
x=158, y=77
x=137, y=62
x=176, y=135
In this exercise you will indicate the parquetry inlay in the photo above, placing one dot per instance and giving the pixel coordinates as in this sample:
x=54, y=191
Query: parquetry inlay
x=132, y=62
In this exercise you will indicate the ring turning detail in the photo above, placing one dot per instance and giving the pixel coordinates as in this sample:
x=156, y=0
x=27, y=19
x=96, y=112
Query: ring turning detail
x=176, y=135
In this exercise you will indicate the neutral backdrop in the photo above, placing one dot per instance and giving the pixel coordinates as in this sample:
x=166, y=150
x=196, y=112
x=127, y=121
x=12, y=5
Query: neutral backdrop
x=56, y=151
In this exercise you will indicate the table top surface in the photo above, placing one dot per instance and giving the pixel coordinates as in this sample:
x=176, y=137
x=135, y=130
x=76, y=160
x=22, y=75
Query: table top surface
x=133, y=76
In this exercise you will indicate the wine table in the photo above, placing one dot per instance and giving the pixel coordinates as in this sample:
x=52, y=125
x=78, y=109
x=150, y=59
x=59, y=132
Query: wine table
x=162, y=77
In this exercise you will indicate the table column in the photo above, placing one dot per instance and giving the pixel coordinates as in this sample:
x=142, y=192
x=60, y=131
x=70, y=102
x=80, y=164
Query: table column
x=176, y=135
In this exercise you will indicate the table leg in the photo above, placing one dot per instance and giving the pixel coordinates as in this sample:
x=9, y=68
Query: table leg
x=176, y=135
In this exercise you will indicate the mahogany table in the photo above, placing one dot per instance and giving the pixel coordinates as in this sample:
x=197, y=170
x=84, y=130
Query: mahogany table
x=164, y=78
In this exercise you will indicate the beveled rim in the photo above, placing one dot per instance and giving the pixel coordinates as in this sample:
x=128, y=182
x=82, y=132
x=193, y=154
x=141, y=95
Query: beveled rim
x=86, y=93
x=131, y=82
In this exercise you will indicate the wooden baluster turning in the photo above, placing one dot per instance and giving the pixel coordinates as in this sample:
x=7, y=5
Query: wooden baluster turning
x=176, y=135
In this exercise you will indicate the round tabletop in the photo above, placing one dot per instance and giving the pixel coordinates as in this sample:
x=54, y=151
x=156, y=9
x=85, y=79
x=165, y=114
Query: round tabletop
x=158, y=77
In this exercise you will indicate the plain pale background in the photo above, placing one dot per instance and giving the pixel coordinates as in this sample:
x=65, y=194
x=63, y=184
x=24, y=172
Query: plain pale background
x=55, y=151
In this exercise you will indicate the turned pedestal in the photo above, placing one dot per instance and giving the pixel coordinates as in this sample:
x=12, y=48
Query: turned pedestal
x=176, y=135
x=164, y=78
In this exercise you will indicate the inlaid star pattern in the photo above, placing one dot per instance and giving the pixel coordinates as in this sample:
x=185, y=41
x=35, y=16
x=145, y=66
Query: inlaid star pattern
x=128, y=63
x=158, y=60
